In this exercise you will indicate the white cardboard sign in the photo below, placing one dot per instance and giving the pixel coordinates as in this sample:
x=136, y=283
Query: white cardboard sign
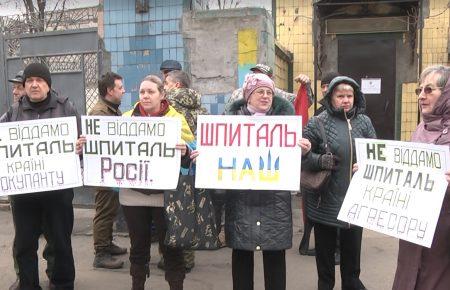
x=398, y=189
x=131, y=152
x=38, y=155
x=248, y=152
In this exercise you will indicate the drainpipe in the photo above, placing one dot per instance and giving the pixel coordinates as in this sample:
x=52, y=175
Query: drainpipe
x=274, y=18
x=316, y=65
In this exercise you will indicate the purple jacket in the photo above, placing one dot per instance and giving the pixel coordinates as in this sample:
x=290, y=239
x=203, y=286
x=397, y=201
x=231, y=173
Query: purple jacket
x=420, y=268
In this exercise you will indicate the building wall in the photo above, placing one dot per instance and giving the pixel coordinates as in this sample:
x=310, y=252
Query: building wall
x=221, y=47
x=281, y=73
x=294, y=31
x=435, y=52
x=137, y=43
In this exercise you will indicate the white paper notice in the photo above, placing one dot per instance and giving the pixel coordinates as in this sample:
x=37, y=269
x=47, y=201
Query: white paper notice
x=371, y=86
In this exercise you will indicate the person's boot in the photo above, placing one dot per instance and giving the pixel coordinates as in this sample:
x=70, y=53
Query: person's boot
x=306, y=252
x=105, y=260
x=189, y=260
x=15, y=285
x=139, y=274
x=176, y=285
x=114, y=249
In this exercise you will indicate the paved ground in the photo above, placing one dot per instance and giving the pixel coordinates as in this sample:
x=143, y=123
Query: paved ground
x=212, y=270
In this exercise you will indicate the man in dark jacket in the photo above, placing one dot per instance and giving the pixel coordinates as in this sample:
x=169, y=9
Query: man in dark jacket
x=184, y=99
x=111, y=90
x=17, y=86
x=40, y=102
x=188, y=103
x=18, y=90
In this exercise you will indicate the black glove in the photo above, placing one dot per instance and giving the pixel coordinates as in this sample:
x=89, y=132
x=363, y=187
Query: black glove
x=328, y=161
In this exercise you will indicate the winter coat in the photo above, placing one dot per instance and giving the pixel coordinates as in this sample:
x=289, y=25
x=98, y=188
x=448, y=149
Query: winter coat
x=103, y=108
x=56, y=107
x=341, y=129
x=187, y=102
x=132, y=197
x=259, y=219
x=421, y=268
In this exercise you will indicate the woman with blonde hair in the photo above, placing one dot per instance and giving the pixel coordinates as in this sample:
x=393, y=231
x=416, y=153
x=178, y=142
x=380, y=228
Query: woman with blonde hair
x=143, y=206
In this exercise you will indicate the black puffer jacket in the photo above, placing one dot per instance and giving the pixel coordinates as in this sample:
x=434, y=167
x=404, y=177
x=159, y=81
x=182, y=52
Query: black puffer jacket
x=341, y=130
x=260, y=219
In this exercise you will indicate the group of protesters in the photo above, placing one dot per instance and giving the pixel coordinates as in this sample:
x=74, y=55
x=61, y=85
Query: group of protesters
x=260, y=220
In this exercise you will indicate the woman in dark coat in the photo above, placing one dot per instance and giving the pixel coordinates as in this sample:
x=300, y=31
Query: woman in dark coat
x=421, y=268
x=343, y=121
x=259, y=220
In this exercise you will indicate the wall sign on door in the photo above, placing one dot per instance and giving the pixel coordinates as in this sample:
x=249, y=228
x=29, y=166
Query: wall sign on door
x=371, y=86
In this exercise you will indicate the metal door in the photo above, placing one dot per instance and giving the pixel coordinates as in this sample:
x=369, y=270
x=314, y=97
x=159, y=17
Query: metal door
x=372, y=56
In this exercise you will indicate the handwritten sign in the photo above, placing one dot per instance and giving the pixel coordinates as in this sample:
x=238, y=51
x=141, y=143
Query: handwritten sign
x=38, y=155
x=398, y=189
x=249, y=152
x=131, y=152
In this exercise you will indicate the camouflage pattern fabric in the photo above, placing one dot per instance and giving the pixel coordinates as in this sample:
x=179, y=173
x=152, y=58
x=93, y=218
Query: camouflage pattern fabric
x=187, y=102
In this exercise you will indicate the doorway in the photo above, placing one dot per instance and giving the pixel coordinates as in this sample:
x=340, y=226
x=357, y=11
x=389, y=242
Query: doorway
x=372, y=57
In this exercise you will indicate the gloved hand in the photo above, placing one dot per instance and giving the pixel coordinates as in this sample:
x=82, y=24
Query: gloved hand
x=328, y=161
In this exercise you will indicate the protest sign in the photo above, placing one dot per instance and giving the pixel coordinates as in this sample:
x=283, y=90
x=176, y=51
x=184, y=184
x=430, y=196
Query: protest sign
x=131, y=152
x=38, y=155
x=398, y=189
x=248, y=152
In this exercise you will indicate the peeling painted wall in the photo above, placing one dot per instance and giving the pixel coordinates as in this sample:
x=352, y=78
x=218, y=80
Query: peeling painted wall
x=137, y=43
x=221, y=46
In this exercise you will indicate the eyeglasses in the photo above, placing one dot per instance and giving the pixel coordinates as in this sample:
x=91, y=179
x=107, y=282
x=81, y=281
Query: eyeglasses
x=427, y=90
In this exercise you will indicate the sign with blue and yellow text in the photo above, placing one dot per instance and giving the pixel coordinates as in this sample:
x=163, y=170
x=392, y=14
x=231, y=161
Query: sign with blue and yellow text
x=398, y=189
x=38, y=155
x=248, y=152
x=131, y=152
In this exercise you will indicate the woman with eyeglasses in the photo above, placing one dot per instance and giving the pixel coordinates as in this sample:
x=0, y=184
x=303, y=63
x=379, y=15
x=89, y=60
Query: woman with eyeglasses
x=421, y=268
x=343, y=120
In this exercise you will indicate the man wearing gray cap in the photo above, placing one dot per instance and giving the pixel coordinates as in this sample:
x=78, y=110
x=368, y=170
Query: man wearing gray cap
x=169, y=65
x=17, y=88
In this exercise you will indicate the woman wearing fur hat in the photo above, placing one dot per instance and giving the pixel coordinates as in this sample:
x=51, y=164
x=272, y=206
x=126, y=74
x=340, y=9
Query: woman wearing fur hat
x=343, y=121
x=259, y=220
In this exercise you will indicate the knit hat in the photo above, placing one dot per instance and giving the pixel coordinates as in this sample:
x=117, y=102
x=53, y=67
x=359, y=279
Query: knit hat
x=37, y=70
x=18, y=79
x=265, y=69
x=254, y=81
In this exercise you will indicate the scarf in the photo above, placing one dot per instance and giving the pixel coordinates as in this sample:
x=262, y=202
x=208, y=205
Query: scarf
x=255, y=112
x=434, y=127
x=162, y=110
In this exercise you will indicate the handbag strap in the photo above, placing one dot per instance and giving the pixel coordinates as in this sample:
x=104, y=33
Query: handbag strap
x=324, y=136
